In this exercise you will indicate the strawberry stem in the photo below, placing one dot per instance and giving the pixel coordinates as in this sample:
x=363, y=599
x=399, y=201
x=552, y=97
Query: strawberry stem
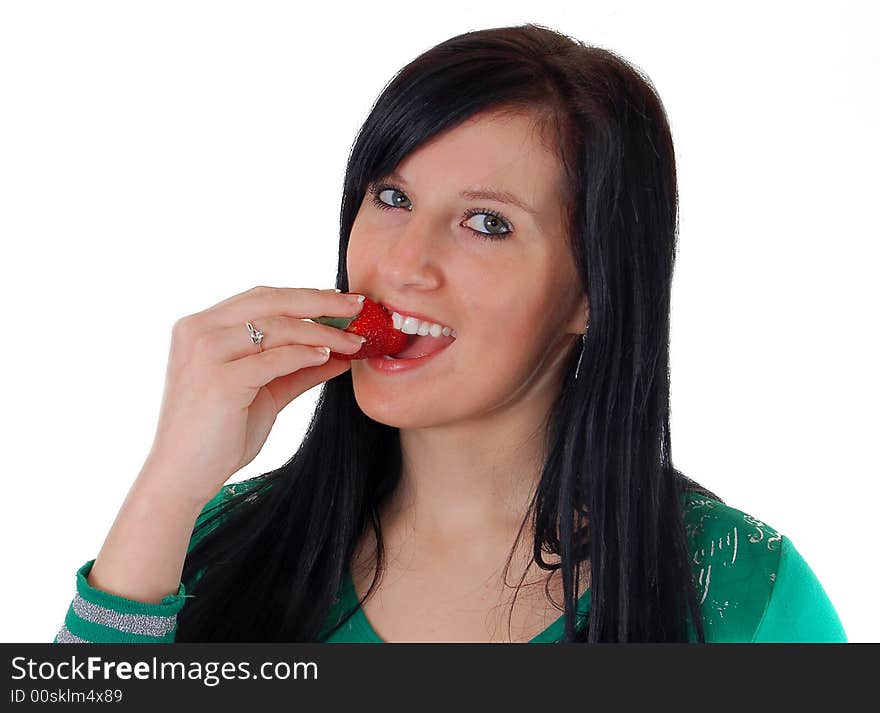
x=338, y=322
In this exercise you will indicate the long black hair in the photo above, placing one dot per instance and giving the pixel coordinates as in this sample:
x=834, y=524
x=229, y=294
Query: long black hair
x=272, y=568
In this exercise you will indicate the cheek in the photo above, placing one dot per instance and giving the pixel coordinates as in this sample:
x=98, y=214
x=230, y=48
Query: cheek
x=510, y=332
x=537, y=313
x=360, y=253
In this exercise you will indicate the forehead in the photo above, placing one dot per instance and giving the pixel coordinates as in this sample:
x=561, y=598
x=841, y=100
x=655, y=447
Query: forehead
x=503, y=152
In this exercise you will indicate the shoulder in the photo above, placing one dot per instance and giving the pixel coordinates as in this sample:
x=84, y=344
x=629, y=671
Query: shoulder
x=212, y=513
x=752, y=583
x=735, y=558
x=721, y=535
x=229, y=491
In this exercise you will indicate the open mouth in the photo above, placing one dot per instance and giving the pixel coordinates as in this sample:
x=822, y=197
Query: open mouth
x=418, y=346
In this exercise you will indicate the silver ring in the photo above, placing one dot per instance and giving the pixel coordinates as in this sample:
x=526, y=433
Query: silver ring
x=256, y=335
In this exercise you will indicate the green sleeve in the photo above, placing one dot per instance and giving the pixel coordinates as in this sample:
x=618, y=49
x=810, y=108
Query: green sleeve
x=799, y=610
x=96, y=616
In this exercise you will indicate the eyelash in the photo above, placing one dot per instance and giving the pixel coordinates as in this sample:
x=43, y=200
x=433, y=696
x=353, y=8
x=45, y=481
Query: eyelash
x=469, y=213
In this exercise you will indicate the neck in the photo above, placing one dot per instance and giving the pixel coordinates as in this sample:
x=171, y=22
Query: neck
x=465, y=483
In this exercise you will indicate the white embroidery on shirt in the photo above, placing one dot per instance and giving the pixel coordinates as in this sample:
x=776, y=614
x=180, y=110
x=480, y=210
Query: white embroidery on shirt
x=719, y=548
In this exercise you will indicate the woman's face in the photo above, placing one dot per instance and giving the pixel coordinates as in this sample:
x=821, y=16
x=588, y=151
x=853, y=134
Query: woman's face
x=514, y=301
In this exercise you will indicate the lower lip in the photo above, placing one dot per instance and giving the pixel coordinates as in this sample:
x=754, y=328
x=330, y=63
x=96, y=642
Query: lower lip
x=396, y=366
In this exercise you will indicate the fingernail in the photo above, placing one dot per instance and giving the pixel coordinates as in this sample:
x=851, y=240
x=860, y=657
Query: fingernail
x=355, y=298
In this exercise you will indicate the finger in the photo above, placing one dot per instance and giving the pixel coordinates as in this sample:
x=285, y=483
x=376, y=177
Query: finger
x=252, y=372
x=259, y=287
x=285, y=389
x=231, y=343
x=261, y=302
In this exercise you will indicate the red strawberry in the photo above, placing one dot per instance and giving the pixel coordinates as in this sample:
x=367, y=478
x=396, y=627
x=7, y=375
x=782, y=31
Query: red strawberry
x=373, y=322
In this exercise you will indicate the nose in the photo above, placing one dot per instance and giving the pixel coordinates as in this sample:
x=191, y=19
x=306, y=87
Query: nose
x=411, y=255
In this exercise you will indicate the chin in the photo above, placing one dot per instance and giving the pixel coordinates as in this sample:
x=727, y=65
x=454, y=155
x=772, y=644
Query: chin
x=400, y=410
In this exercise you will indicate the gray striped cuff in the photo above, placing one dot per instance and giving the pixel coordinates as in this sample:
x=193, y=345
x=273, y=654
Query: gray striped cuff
x=143, y=624
x=65, y=637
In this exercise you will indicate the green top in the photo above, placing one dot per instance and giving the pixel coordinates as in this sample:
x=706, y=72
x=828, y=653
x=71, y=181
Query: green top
x=753, y=586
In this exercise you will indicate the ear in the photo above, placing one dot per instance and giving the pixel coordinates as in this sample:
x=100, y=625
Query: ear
x=580, y=316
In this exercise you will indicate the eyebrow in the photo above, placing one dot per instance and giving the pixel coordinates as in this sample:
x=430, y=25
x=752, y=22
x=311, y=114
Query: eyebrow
x=478, y=192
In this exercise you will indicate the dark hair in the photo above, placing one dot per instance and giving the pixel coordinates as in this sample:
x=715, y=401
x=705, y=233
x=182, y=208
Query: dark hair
x=275, y=564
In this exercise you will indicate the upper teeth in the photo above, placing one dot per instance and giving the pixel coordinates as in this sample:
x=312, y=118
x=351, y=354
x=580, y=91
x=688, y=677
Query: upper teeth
x=412, y=325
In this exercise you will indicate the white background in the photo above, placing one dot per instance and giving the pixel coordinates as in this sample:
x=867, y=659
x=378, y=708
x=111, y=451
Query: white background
x=157, y=157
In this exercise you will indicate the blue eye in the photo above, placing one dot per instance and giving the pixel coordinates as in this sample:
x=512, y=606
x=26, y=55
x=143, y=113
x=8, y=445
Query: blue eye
x=493, y=215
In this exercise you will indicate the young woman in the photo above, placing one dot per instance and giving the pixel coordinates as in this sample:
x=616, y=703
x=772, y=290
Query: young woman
x=518, y=187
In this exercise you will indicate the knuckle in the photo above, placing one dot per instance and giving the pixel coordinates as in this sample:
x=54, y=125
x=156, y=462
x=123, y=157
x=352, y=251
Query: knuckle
x=184, y=327
x=187, y=335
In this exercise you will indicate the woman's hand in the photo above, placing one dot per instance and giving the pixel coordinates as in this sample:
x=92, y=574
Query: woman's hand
x=222, y=394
